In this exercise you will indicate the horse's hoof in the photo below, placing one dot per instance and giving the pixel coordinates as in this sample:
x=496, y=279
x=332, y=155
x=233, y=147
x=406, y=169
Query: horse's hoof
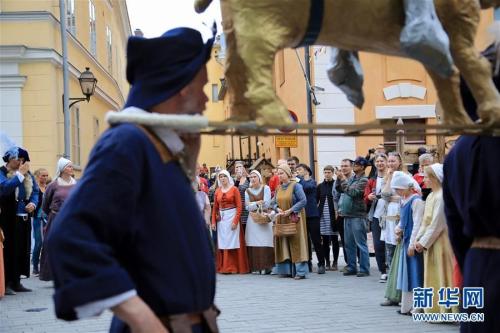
x=275, y=117
x=490, y=117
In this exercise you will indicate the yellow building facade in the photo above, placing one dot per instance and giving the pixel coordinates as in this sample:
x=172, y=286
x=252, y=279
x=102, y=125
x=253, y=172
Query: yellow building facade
x=31, y=80
x=214, y=147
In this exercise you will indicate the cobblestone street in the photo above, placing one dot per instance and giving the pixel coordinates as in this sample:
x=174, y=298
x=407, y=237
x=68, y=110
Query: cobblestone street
x=249, y=303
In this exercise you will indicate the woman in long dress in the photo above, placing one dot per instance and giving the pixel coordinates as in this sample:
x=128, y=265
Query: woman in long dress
x=411, y=264
x=55, y=195
x=433, y=241
x=258, y=237
x=231, y=253
x=290, y=198
x=389, y=219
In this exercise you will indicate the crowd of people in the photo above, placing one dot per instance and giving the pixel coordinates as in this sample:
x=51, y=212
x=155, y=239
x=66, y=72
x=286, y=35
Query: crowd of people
x=29, y=202
x=403, y=211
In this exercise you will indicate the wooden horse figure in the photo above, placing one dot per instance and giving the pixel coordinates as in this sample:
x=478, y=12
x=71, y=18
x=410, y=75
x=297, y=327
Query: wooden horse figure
x=256, y=30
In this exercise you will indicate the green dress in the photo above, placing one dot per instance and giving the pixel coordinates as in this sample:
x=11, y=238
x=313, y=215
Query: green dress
x=391, y=292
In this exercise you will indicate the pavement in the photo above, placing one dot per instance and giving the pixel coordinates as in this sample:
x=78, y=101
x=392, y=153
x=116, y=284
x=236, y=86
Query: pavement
x=249, y=303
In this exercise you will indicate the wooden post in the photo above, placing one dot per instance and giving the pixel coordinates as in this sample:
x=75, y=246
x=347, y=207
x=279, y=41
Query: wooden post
x=400, y=138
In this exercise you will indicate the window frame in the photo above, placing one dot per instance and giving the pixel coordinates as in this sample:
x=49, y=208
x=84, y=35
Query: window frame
x=70, y=17
x=92, y=29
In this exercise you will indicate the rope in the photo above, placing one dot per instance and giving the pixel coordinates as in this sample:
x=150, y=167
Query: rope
x=201, y=124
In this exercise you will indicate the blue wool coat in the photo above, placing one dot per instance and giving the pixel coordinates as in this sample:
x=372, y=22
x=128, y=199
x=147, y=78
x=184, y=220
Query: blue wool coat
x=309, y=187
x=131, y=223
x=472, y=198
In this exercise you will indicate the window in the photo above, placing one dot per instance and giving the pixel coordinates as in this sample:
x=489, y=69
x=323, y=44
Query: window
x=109, y=49
x=215, y=93
x=390, y=135
x=70, y=17
x=497, y=14
x=96, y=129
x=93, y=32
x=75, y=136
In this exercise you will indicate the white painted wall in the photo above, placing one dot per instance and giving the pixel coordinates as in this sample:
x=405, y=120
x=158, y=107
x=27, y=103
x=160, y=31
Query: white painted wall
x=11, y=84
x=334, y=108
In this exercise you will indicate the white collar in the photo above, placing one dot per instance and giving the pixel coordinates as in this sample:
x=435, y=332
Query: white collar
x=169, y=137
x=62, y=182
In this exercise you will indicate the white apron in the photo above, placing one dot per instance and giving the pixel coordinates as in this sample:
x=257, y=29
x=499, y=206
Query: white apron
x=227, y=239
x=258, y=235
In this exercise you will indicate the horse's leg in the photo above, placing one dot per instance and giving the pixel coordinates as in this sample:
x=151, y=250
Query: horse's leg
x=474, y=68
x=235, y=71
x=259, y=61
x=448, y=91
x=257, y=43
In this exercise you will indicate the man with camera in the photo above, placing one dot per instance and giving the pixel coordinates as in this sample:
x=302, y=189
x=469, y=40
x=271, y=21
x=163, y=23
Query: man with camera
x=353, y=208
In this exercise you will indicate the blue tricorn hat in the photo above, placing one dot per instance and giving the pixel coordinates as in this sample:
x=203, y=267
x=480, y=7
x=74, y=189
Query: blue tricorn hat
x=158, y=68
x=15, y=153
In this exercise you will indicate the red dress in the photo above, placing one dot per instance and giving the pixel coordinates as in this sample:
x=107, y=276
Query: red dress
x=235, y=260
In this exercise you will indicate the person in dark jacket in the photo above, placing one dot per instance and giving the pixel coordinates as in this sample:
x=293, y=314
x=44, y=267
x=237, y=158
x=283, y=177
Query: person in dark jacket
x=18, y=200
x=353, y=208
x=123, y=240
x=312, y=216
x=471, y=197
x=328, y=223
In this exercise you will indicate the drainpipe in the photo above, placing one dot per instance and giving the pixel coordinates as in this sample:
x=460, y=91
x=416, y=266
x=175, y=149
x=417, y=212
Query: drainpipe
x=309, y=110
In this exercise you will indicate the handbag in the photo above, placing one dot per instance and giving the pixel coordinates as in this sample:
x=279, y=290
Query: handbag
x=294, y=217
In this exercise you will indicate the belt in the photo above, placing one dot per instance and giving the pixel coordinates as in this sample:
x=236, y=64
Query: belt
x=394, y=199
x=491, y=243
x=183, y=322
x=393, y=218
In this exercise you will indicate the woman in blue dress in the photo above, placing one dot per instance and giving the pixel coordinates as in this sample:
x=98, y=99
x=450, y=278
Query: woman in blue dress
x=411, y=264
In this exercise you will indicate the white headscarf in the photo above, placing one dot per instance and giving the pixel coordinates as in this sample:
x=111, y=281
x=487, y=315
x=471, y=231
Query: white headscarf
x=438, y=170
x=258, y=175
x=61, y=164
x=225, y=172
x=401, y=180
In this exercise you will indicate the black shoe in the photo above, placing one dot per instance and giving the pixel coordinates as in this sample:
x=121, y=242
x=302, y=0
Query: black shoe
x=349, y=273
x=21, y=289
x=328, y=267
x=361, y=274
x=9, y=291
x=404, y=313
x=334, y=267
x=36, y=272
x=299, y=277
x=321, y=269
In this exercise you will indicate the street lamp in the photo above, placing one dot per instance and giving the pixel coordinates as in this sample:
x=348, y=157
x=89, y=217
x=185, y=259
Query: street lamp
x=87, y=84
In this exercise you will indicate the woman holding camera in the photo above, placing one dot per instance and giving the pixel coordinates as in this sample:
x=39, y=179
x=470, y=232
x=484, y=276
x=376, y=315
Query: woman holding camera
x=373, y=197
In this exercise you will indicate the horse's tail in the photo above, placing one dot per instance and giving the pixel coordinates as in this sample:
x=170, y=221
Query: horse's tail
x=489, y=3
x=201, y=5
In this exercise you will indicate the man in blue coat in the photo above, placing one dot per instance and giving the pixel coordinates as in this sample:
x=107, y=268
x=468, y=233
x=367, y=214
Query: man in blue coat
x=130, y=237
x=18, y=200
x=472, y=197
